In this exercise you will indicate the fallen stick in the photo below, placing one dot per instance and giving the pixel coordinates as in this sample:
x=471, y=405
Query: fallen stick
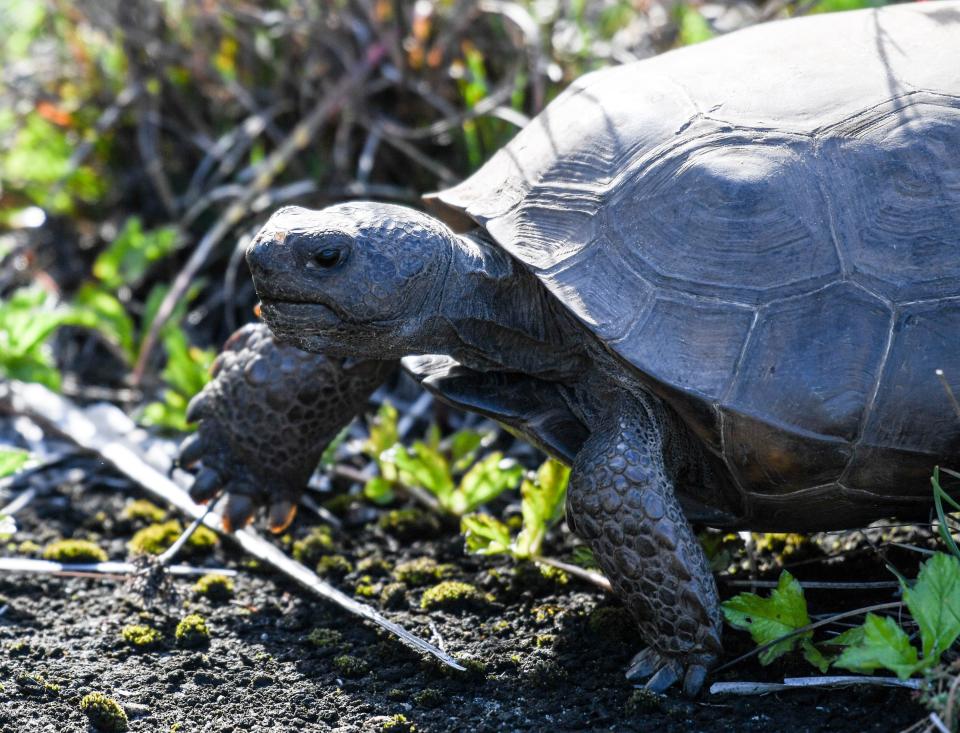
x=50, y=567
x=104, y=430
x=799, y=683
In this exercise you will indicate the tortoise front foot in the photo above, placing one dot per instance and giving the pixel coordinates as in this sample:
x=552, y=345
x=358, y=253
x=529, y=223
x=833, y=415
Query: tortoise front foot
x=265, y=419
x=621, y=500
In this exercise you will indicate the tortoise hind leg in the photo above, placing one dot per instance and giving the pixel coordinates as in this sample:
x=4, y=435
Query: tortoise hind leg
x=621, y=500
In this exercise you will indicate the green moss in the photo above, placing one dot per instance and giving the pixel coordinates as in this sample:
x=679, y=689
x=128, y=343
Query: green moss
x=451, y=594
x=74, y=551
x=104, y=713
x=556, y=575
x=394, y=596
x=140, y=635
x=612, y=623
x=545, y=641
x=316, y=544
x=156, y=538
x=643, y=701
x=334, y=566
x=141, y=510
x=428, y=698
x=422, y=571
x=36, y=684
x=216, y=587
x=409, y=524
x=339, y=504
x=365, y=587
x=374, y=566
x=396, y=694
x=28, y=547
x=545, y=612
x=397, y=724
x=350, y=666
x=323, y=637
x=192, y=631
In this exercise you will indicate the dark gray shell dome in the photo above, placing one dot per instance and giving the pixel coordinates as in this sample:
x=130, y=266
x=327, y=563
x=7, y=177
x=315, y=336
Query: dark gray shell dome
x=766, y=227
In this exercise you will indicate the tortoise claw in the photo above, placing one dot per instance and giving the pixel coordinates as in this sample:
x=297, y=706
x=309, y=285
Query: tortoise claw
x=238, y=512
x=643, y=664
x=693, y=682
x=197, y=408
x=663, y=671
x=191, y=451
x=205, y=485
x=281, y=515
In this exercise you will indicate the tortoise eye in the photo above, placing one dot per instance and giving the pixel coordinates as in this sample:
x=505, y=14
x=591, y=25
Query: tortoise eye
x=326, y=258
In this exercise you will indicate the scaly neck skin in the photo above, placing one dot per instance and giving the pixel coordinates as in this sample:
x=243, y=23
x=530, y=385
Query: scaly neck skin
x=496, y=316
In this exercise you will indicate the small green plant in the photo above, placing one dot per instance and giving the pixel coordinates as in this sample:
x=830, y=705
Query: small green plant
x=186, y=372
x=192, y=631
x=434, y=466
x=542, y=501
x=104, y=713
x=879, y=642
x=767, y=619
x=74, y=551
x=11, y=461
x=215, y=587
x=140, y=635
x=27, y=320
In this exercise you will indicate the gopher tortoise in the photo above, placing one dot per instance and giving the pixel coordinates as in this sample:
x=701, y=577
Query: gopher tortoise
x=717, y=283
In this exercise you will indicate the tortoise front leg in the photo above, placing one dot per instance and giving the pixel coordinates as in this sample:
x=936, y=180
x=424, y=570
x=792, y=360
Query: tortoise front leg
x=265, y=419
x=621, y=500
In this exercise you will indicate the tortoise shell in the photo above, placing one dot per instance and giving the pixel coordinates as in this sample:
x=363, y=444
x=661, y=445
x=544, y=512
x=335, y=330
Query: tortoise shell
x=766, y=229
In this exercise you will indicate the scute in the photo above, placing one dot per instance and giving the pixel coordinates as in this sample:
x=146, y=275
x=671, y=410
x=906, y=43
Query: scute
x=692, y=343
x=702, y=216
x=896, y=173
x=911, y=409
x=813, y=361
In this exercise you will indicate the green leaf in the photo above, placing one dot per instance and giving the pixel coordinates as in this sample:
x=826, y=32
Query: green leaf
x=486, y=480
x=542, y=502
x=770, y=618
x=464, y=445
x=8, y=527
x=813, y=655
x=108, y=315
x=883, y=645
x=934, y=603
x=424, y=467
x=694, y=28
x=379, y=490
x=12, y=460
x=382, y=431
x=485, y=535
x=329, y=454
x=132, y=252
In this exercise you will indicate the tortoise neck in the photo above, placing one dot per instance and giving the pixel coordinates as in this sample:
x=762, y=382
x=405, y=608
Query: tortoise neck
x=500, y=317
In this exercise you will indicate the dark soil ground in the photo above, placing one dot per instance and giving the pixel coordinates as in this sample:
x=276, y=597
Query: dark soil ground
x=542, y=655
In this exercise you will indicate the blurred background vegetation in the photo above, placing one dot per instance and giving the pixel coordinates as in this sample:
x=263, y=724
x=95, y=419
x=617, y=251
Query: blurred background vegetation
x=142, y=143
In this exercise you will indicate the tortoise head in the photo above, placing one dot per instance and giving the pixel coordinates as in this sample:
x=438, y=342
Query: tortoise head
x=357, y=279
